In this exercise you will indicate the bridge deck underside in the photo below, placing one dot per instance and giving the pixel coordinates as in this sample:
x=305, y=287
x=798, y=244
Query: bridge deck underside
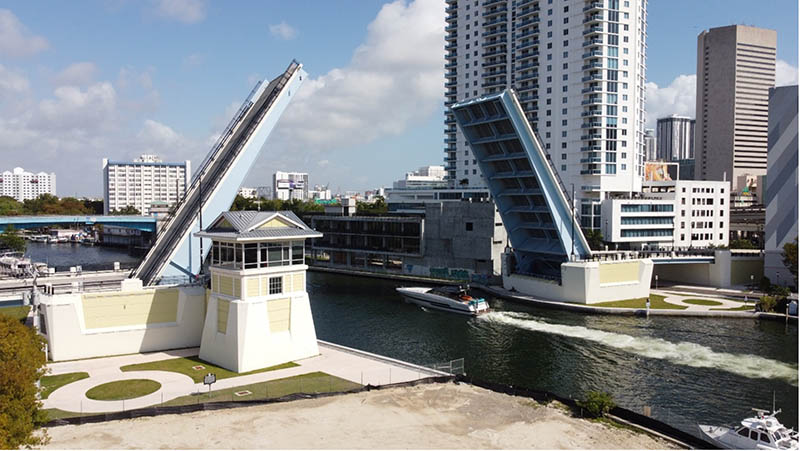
x=528, y=195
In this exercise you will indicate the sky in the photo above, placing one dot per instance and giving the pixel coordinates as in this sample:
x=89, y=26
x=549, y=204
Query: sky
x=97, y=79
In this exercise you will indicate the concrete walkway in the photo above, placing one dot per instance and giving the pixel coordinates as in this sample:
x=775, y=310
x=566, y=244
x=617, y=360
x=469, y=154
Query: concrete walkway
x=676, y=299
x=352, y=365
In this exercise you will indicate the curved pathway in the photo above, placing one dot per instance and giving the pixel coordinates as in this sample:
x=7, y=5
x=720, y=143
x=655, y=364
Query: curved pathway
x=680, y=300
x=355, y=366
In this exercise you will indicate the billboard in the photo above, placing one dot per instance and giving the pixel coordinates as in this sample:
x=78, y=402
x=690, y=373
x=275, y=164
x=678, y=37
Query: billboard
x=659, y=171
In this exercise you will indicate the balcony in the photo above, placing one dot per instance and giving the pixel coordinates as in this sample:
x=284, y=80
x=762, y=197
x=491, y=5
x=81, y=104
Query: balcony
x=593, y=148
x=590, y=42
x=451, y=74
x=450, y=140
x=527, y=55
x=593, y=18
x=594, y=65
x=594, y=29
x=494, y=32
x=495, y=73
x=450, y=84
x=592, y=53
x=494, y=52
x=591, y=136
x=527, y=66
x=591, y=89
x=451, y=46
x=451, y=55
x=528, y=33
x=495, y=42
x=500, y=62
x=451, y=65
x=491, y=2
x=593, y=6
x=451, y=9
x=525, y=12
x=527, y=88
x=451, y=18
x=528, y=76
x=531, y=43
x=592, y=113
x=591, y=125
x=590, y=101
x=450, y=28
x=528, y=22
x=528, y=98
x=449, y=120
x=591, y=172
x=496, y=20
x=522, y=3
x=494, y=12
x=496, y=82
x=590, y=160
x=592, y=77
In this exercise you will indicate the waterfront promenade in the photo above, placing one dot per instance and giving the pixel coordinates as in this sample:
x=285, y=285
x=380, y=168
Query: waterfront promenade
x=345, y=363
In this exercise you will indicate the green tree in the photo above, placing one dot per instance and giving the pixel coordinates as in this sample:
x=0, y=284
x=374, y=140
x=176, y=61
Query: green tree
x=597, y=403
x=741, y=244
x=22, y=364
x=790, y=258
x=594, y=238
x=10, y=207
x=10, y=239
x=93, y=207
x=126, y=210
x=376, y=208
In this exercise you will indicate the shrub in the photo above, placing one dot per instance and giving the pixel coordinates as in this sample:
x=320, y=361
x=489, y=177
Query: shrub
x=764, y=284
x=766, y=303
x=597, y=403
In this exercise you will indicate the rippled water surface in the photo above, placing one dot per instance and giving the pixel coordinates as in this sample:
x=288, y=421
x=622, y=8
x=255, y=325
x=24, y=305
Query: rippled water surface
x=688, y=370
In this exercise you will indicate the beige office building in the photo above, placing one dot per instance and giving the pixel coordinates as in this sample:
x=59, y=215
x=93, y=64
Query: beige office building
x=735, y=69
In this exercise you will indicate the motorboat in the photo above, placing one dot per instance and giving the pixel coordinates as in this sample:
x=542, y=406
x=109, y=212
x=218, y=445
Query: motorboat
x=448, y=299
x=14, y=264
x=762, y=431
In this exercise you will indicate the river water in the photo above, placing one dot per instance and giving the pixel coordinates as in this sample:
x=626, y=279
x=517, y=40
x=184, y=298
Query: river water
x=64, y=255
x=687, y=370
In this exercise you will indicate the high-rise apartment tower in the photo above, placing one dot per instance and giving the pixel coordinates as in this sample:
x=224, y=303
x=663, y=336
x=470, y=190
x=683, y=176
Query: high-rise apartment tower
x=735, y=69
x=675, y=138
x=578, y=68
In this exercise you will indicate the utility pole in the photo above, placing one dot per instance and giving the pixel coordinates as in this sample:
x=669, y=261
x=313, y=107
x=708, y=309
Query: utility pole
x=200, y=213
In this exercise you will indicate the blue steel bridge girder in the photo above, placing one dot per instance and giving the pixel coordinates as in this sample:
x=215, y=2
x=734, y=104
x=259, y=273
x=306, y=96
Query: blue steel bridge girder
x=536, y=210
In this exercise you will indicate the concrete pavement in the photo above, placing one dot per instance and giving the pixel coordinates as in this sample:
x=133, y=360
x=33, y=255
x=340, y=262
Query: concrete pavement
x=352, y=365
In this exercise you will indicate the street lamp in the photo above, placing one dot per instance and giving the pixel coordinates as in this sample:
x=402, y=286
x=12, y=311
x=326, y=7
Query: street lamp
x=656, y=281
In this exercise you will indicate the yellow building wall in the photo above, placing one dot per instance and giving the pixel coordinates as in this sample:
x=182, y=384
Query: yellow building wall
x=223, y=307
x=102, y=310
x=299, y=281
x=252, y=287
x=619, y=272
x=279, y=311
x=274, y=222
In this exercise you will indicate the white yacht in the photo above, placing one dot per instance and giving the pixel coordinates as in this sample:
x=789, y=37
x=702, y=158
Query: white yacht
x=762, y=431
x=14, y=264
x=448, y=299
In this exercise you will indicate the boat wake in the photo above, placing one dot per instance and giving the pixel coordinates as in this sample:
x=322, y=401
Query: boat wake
x=682, y=353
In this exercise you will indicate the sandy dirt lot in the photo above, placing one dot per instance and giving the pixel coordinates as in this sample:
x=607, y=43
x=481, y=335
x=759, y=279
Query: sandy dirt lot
x=427, y=416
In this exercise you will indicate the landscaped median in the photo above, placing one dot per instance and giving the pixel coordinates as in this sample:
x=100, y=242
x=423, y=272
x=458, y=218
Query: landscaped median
x=124, y=389
x=196, y=368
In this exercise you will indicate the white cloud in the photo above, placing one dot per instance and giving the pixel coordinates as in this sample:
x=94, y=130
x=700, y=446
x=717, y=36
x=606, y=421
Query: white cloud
x=77, y=74
x=186, y=11
x=785, y=73
x=393, y=80
x=73, y=108
x=15, y=39
x=12, y=83
x=283, y=30
x=195, y=59
x=677, y=98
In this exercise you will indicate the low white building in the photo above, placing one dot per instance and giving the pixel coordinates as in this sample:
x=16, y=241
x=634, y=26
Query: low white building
x=424, y=177
x=669, y=214
x=290, y=185
x=21, y=185
x=248, y=193
x=144, y=182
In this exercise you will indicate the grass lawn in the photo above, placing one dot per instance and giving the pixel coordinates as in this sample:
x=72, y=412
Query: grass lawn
x=57, y=414
x=317, y=382
x=701, y=302
x=50, y=383
x=741, y=308
x=656, y=302
x=184, y=365
x=19, y=312
x=126, y=389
